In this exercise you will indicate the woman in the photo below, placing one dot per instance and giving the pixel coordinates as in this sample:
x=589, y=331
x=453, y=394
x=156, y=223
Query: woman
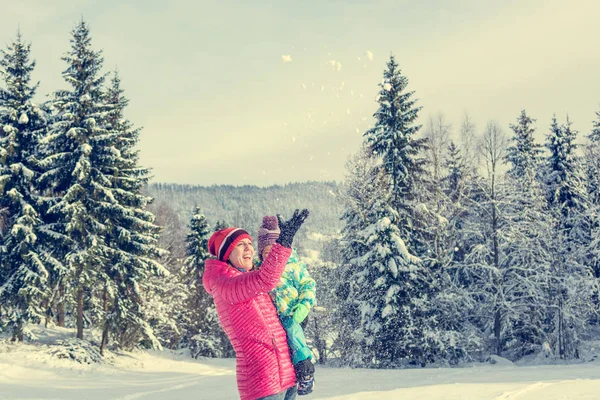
x=264, y=368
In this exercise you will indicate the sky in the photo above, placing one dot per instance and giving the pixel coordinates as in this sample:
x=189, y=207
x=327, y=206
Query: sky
x=263, y=93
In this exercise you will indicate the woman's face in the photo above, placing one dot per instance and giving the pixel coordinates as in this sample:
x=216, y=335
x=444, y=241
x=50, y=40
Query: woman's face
x=242, y=255
x=266, y=251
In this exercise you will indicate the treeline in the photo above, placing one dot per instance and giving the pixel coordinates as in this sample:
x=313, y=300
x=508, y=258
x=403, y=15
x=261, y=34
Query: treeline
x=244, y=206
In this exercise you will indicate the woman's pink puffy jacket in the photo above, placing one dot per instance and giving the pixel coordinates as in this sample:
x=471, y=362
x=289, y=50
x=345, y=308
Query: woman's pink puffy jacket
x=249, y=319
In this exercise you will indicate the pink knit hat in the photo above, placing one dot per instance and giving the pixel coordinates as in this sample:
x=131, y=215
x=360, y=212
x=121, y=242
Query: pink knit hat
x=267, y=233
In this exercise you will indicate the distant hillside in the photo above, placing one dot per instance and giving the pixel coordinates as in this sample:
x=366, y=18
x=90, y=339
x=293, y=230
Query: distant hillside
x=244, y=206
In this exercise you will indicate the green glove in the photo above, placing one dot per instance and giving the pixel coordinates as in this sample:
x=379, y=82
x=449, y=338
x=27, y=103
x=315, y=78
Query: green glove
x=300, y=312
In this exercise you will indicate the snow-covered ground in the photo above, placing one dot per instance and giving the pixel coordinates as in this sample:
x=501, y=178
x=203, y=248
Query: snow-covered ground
x=29, y=371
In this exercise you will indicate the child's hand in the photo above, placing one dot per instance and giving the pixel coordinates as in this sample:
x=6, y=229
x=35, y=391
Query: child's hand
x=290, y=227
x=300, y=313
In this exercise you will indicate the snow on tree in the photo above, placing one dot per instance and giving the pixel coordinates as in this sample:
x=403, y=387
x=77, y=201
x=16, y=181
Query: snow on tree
x=528, y=245
x=382, y=284
x=130, y=231
x=592, y=158
x=468, y=144
x=484, y=267
x=440, y=215
x=571, y=285
x=437, y=134
x=595, y=134
x=565, y=184
x=393, y=140
x=25, y=264
x=97, y=216
x=507, y=267
x=391, y=296
x=74, y=172
x=457, y=173
x=365, y=186
x=524, y=154
x=457, y=337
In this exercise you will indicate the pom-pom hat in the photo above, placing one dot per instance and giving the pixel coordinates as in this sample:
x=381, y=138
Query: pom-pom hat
x=267, y=233
x=223, y=241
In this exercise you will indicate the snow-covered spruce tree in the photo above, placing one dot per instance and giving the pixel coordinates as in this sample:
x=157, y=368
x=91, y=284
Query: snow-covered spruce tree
x=592, y=157
x=457, y=173
x=382, y=320
x=457, y=185
x=566, y=188
x=394, y=142
x=365, y=185
x=571, y=285
x=524, y=154
x=593, y=162
x=74, y=173
x=391, y=293
x=529, y=240
x=132, y=270
x=204, y=336
x=406, y=214
x=79, y=170
x=24, y=262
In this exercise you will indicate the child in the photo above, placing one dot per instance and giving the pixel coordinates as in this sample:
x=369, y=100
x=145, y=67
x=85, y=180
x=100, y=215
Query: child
x=293, y=297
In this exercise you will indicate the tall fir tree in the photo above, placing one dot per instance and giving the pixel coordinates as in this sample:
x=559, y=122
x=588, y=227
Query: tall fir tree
x=595, y=134
x=571, y=285
x=528, y=243
x=394, y=142
x=130, y=232
x=79, y=149
x=457, y=173
x=593, y=162
x=25, y=264
x=592, y=155
x=524, y=154
x=565, y=184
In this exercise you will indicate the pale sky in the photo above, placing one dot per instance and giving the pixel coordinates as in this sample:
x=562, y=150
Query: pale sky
x=255, y=92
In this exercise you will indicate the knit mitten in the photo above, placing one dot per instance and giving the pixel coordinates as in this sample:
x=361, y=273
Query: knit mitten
x=290, y=227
